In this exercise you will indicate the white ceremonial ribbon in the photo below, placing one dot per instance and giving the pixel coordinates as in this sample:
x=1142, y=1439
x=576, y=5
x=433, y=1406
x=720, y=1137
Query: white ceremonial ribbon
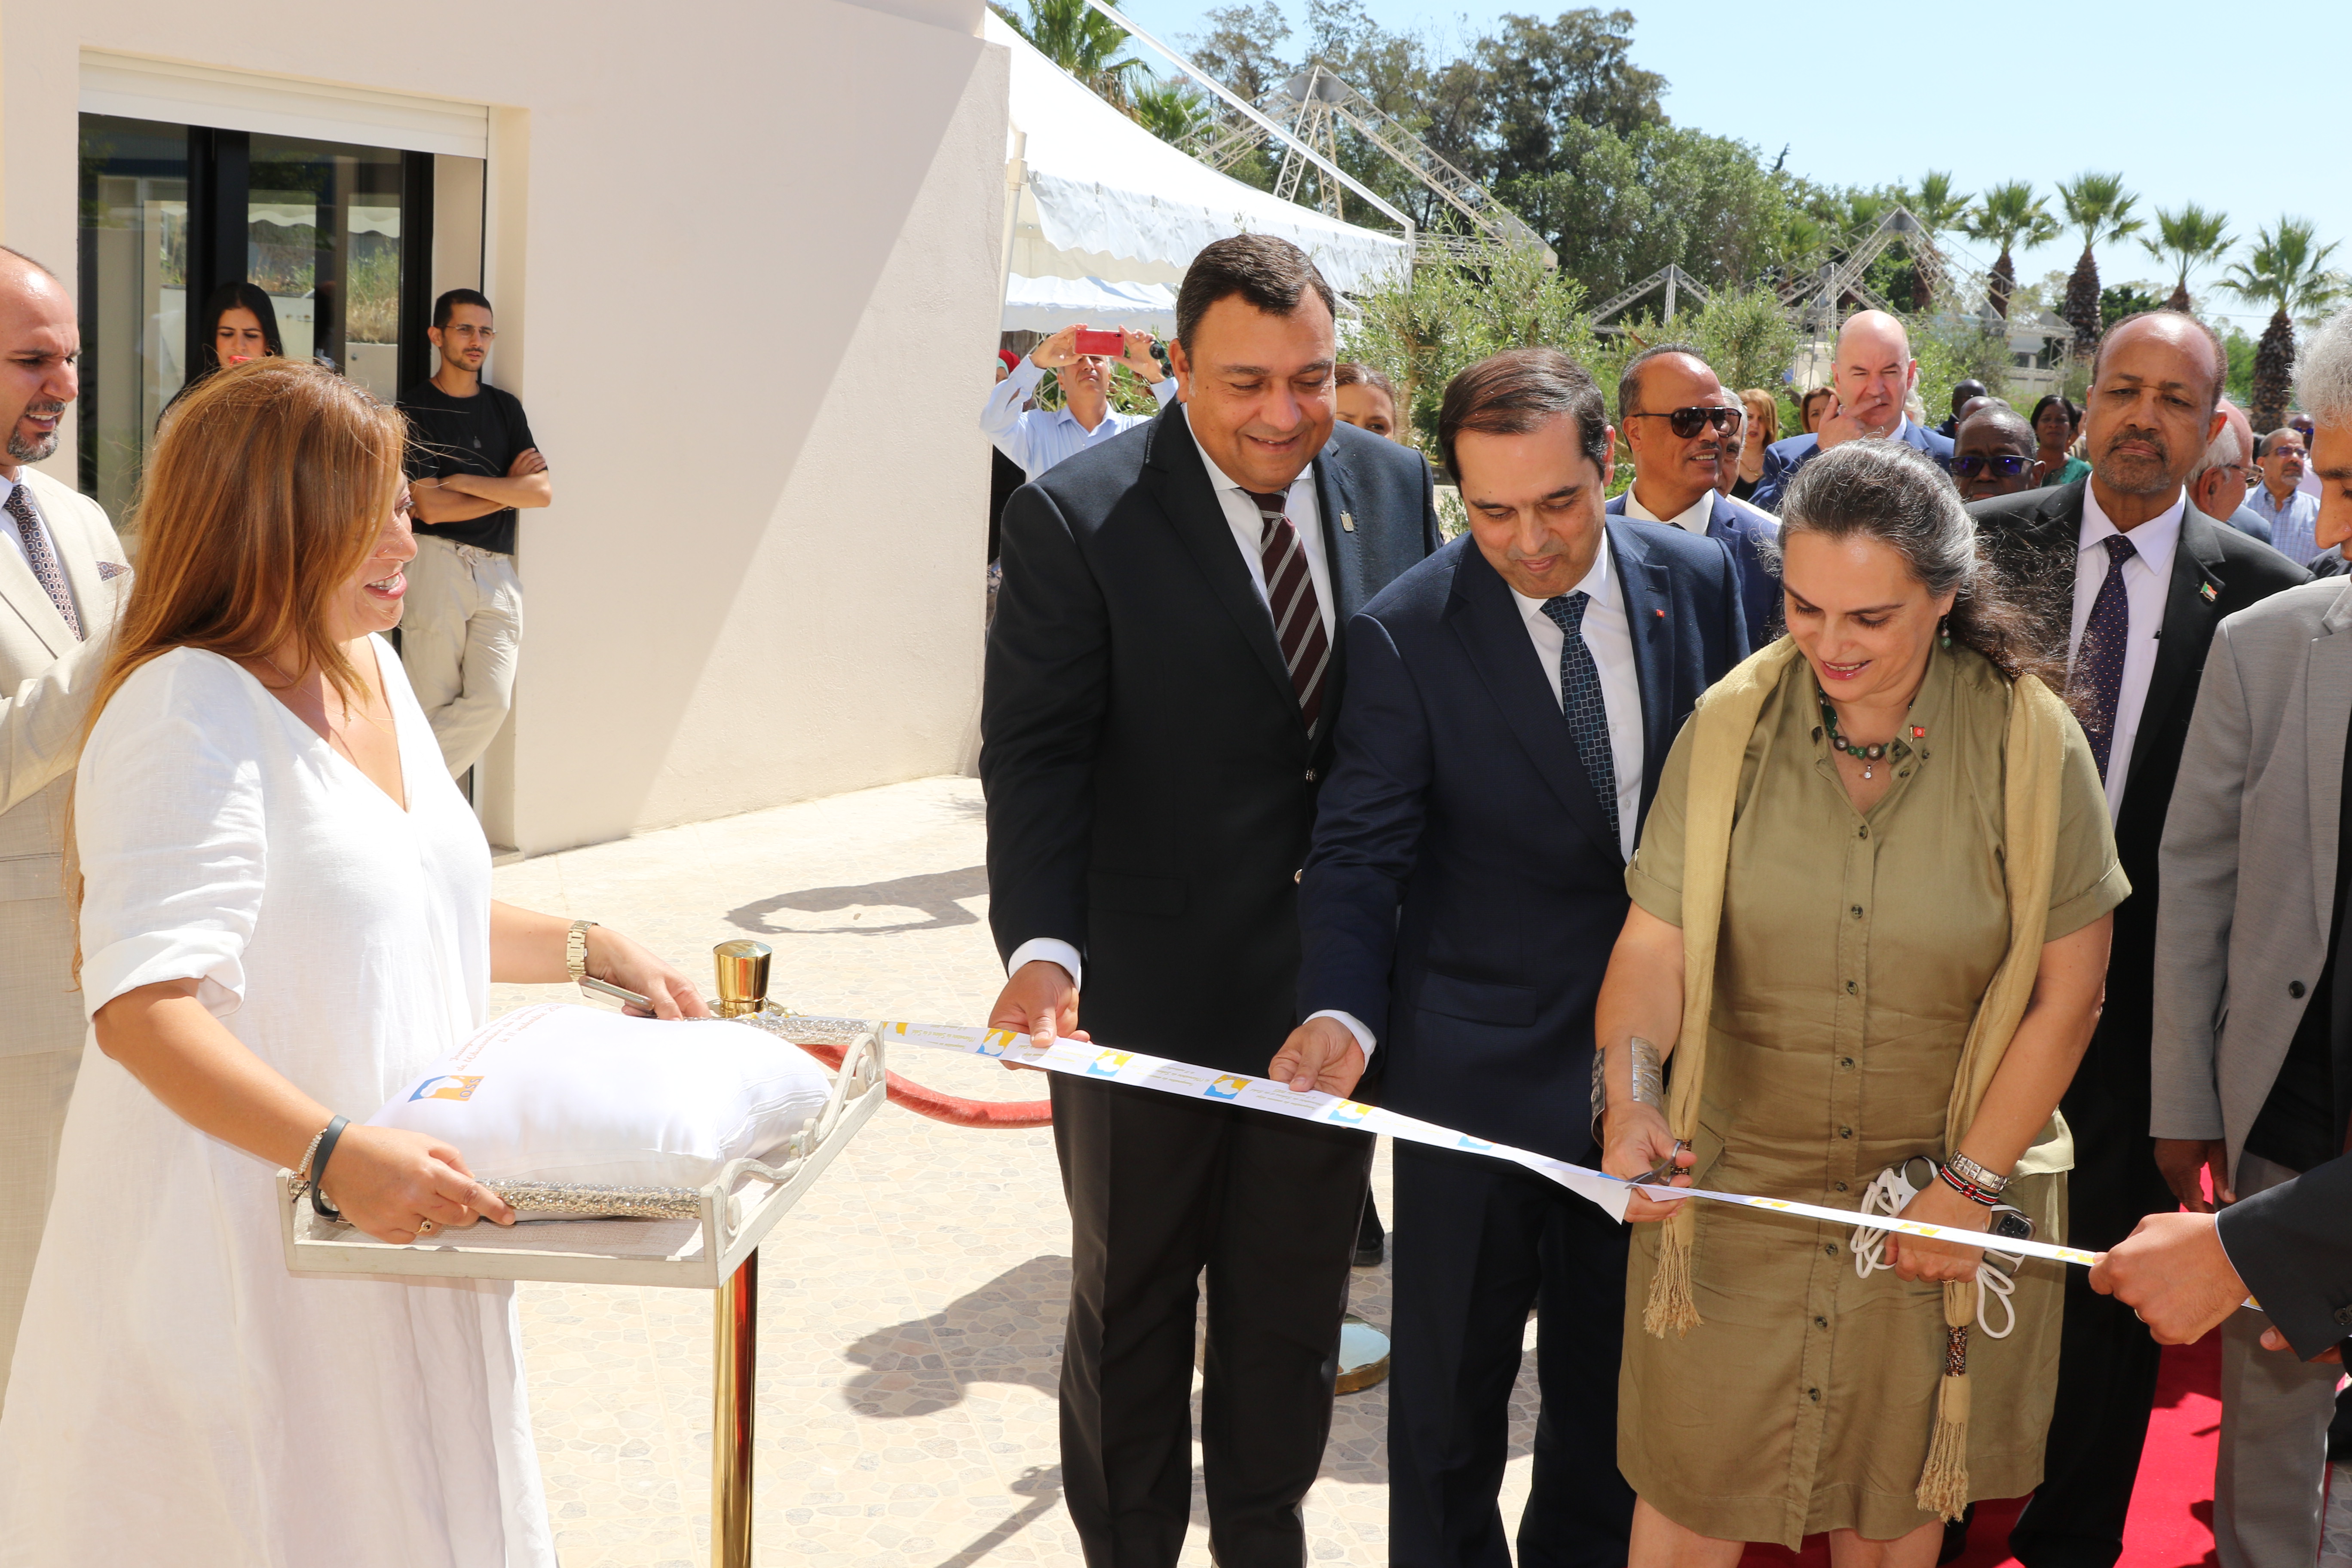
x=1081, y=1059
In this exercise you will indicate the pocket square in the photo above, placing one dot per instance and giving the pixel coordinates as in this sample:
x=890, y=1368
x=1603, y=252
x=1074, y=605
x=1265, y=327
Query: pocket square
x=110, y=570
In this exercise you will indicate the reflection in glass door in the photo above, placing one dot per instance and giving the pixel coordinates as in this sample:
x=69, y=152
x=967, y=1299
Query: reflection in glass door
x=338, y=235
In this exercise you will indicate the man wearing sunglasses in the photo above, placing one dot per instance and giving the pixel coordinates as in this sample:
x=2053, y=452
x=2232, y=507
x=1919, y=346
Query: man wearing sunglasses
x=1683, y=427
x=1992, y=454
x=1873, y=374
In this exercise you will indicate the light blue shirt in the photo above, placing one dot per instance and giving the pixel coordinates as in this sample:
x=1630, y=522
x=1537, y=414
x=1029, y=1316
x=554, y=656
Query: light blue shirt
x=2294, y=527
x=1044, y=436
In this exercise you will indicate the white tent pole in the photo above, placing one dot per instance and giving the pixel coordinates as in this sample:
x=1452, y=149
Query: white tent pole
x=1236, y=102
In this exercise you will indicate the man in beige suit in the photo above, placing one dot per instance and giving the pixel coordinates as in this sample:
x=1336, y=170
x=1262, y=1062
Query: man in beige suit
x=62, y=575
x=2253, y=1043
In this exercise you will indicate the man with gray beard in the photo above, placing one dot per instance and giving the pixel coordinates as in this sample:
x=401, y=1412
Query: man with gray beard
x=2126, y=582
x=61, y=580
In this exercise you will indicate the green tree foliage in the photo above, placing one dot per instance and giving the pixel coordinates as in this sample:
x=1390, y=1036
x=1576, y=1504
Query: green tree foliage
x=2124, y=300
x=1082, y=41
x=1747, y=337
x=2191, y=239
x=2288, y=271
x=1423, y=328
x=1952, y=348
x=2012, y=216
x=1174, y=111
x=2099, y=207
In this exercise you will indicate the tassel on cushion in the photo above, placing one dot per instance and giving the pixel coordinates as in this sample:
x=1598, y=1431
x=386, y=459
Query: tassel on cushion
x=1944, y=1483
x=1672, y=1303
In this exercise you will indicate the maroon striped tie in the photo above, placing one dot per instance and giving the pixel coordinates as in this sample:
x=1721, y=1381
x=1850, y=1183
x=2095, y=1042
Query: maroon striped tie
x=1290, y=594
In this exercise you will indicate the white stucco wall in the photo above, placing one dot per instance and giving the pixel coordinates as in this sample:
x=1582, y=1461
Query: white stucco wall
x=745, y=259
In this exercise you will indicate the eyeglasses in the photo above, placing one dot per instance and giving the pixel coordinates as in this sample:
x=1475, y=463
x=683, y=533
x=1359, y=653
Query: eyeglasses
x=1687, y=422
x=1975, y=463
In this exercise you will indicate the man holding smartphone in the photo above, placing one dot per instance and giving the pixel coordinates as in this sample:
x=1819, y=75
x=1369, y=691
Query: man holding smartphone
x=472, y=461
x=1084, y=356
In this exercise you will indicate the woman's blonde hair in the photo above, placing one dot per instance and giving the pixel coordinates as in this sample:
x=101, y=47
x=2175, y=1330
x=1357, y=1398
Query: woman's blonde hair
x=269, y=486
x=1763, y=415
x=267, y=490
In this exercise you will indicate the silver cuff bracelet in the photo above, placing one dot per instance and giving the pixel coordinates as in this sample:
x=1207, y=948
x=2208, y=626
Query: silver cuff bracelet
x=1649, y=1080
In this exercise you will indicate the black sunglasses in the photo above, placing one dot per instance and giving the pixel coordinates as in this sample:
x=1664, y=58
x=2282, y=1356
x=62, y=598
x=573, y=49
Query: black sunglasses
x=1975, y=463
x=1687, y=422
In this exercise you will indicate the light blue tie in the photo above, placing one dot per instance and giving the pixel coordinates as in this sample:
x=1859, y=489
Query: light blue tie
x=1581, y=704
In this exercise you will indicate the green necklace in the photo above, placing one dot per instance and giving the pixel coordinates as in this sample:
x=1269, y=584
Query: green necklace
x=1868, y=757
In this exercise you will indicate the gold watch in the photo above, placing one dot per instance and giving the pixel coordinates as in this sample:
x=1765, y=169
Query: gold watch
x=575, y=950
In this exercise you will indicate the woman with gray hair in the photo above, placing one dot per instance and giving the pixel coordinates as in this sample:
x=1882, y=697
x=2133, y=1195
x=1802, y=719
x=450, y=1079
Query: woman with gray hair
x=1870, y=924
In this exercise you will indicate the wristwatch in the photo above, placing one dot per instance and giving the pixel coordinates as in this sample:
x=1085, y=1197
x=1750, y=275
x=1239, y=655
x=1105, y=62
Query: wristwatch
x=575, y=950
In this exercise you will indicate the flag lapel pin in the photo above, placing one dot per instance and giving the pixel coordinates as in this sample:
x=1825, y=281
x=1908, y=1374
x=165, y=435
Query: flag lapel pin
x=2209, y=591
x=1348, y=522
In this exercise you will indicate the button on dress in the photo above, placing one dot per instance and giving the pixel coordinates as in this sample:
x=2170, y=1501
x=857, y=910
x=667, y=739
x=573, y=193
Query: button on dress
x=1853, y=953
x=177, y=1397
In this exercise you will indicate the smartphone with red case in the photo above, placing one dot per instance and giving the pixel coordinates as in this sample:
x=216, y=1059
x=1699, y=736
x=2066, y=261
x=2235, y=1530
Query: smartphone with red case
x=1100, y=341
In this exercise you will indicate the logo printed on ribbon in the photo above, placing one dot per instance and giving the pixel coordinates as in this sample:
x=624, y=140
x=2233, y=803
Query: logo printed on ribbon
x=1348, y=1110
x=1466, y=1142
x=998, y=1042
x=447, y=1087
x=1228, y=1087
x=1107, y=1063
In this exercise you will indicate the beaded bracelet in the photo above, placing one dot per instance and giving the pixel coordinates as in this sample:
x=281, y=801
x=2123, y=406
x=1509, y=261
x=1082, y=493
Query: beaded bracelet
x=1967, y=1189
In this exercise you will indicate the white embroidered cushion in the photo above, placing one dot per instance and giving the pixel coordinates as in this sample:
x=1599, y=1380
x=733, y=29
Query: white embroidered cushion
x=562, y=1093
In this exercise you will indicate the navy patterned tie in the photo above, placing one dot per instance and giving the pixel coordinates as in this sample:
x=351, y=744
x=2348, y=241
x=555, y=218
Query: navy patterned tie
x=2099, y=658
x=1581, y=704
x=39, y=556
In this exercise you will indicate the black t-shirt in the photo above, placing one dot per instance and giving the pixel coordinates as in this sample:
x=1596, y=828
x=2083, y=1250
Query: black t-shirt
x=478, y=435
x=2302, y=1120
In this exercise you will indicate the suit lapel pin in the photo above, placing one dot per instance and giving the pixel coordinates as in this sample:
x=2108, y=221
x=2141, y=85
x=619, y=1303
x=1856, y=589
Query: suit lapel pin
x=1348, y=522
x=2209, y=591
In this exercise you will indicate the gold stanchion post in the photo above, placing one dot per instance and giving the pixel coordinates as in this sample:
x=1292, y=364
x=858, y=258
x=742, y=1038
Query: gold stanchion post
x=735, y=1324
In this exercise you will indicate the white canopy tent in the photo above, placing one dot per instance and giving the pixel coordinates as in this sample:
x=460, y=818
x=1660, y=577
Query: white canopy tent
x=1106, y=216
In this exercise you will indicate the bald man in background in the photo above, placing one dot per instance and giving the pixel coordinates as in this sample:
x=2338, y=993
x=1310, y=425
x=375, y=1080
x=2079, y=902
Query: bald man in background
x=2218, y=486
x=1873, y=374
x=61, y=575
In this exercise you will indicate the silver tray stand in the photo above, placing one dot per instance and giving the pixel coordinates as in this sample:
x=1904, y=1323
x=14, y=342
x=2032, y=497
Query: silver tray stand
x=717, y=1250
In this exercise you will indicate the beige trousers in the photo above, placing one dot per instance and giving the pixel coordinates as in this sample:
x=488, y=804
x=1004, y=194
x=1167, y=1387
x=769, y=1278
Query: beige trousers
x=34, y=1092
x=460, y=634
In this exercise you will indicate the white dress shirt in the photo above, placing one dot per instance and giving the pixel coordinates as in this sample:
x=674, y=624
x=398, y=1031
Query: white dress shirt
x=1043, y=436
x=2147, y=575
x=11, y=531
x=1694, y=519
x=1248, y=526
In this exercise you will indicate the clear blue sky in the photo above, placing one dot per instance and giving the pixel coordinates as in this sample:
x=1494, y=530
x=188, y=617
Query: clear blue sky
x=2040, y=92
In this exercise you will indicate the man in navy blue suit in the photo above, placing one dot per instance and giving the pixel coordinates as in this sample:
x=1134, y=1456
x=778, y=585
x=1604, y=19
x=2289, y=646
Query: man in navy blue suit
x=1510, y=702
x=1873, y=373
x=1677, y=420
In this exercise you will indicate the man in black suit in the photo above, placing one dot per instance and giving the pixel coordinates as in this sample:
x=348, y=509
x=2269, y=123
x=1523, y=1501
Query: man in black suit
x=1873, y=373
x=2288, y=1247
x=1163, y=682
x=1510, y=704
x=2128, y=582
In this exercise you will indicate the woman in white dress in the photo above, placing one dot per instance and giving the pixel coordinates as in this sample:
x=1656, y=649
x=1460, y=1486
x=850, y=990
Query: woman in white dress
x=285, y=914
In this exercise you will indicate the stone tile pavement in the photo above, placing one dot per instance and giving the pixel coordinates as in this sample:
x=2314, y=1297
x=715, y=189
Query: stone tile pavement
x=911, y=1307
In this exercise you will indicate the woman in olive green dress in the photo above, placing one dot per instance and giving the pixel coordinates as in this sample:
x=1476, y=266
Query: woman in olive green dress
x=1893, y=850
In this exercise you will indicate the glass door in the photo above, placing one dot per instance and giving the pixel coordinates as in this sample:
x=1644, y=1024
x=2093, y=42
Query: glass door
x=336, y=235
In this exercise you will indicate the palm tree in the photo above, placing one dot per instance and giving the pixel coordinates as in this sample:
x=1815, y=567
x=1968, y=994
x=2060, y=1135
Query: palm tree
x=2100, y=207
x=1937, y=208
x=2289, y=273
x=1082, y=41
x=1170, y=110
x=2191, y=239
x=2008, y=216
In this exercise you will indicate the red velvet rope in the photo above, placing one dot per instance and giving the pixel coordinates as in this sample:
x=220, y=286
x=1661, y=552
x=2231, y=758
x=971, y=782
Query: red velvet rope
x=948, y=1107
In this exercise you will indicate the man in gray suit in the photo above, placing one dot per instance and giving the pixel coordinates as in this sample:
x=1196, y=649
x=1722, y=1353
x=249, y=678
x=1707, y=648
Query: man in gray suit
x=2253, y=1041
x=61, y=576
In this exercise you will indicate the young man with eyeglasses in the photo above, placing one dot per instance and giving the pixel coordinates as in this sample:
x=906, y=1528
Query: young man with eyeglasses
x=1680, y=422
x=1993, y=454
x=472, y=462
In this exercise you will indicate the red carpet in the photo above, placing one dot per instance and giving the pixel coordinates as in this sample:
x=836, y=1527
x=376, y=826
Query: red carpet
x=2171, y=1523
